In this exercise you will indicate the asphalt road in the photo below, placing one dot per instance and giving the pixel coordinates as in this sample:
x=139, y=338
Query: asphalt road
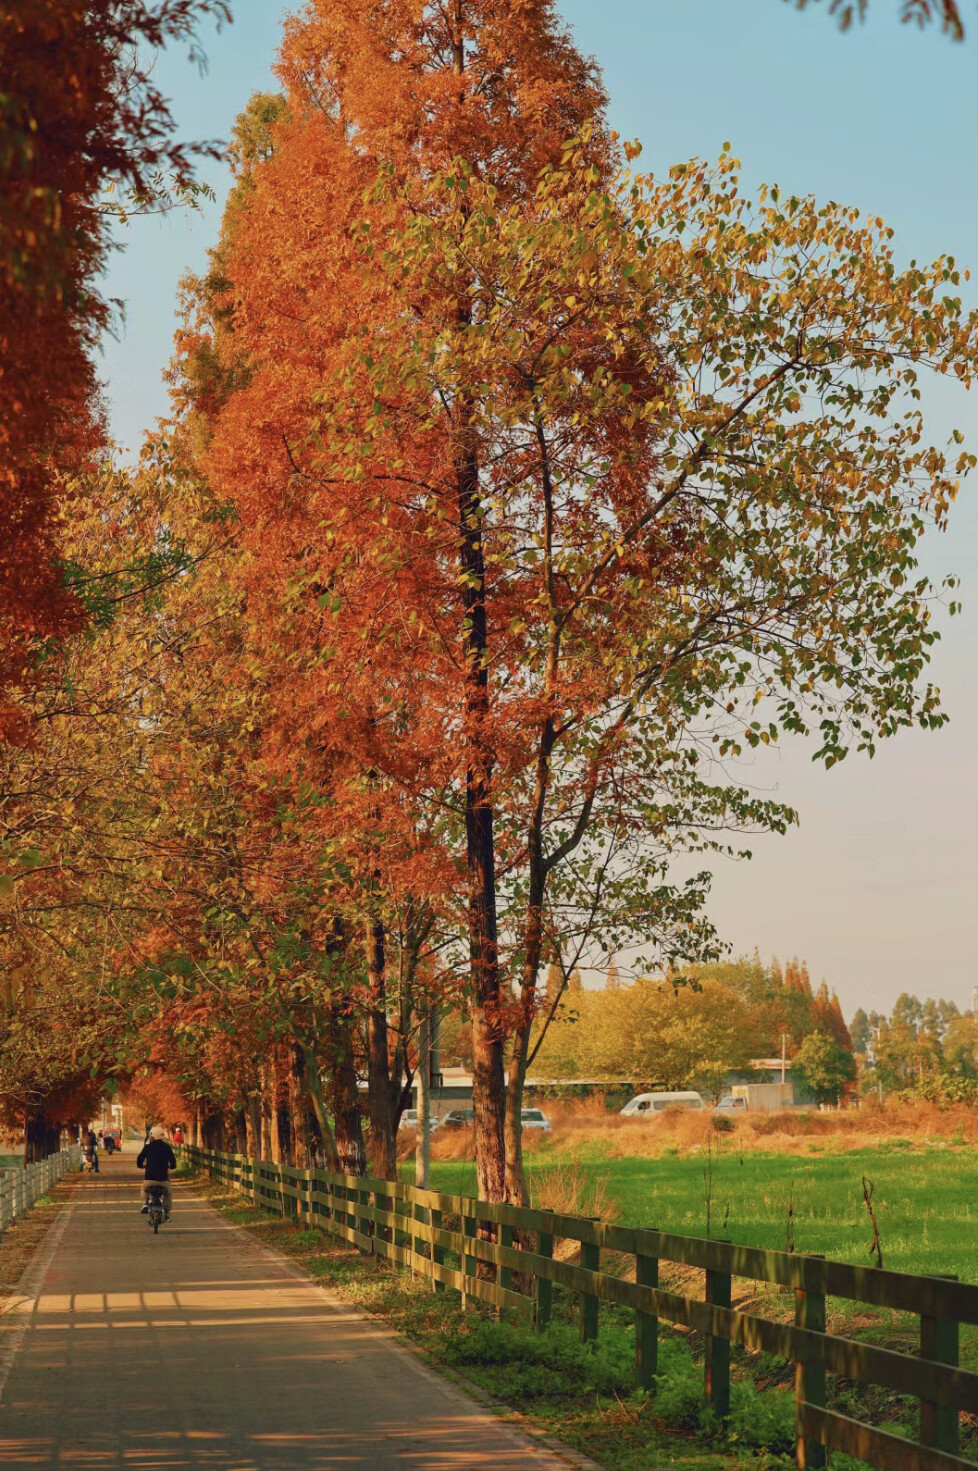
x=199, y=1348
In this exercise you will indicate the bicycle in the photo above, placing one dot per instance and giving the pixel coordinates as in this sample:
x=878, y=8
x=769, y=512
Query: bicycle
x=155, y=1215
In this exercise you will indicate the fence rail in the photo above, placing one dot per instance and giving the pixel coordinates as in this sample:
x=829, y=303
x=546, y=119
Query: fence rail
x=504, y=1255
x=22, y=1188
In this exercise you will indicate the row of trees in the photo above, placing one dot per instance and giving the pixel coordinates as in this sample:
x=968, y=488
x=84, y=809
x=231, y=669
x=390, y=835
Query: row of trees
x=920, y=1045
x=508, y=492
x=694, y=1030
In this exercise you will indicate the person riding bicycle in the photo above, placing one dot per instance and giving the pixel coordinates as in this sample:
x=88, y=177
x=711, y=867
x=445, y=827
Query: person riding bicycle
x=91, y=1147
x=156, y=1160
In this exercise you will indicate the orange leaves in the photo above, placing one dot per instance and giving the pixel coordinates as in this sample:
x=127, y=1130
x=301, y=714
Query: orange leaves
x=77, y=113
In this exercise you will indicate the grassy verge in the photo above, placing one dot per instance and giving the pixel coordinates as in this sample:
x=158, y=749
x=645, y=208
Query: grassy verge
x=583, y=1395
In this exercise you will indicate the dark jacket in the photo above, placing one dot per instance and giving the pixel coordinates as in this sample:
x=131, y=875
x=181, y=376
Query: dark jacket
x=158, y=1159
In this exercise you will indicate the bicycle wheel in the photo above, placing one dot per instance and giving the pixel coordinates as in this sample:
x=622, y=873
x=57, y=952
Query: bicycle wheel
x=156, y=1222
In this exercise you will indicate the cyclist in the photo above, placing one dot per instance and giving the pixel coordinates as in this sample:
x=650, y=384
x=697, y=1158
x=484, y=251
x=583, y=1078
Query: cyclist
x=156, y=1160
x=91, y=1147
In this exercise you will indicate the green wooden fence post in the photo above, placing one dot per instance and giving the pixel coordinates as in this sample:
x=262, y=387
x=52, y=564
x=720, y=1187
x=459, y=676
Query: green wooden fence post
x=438, y=1252
x=420, y=1214
x=591, y=1262
x=470, y=1265
x=646, y=1325
x=363, y=1225
x=809, y=1377
x=939, y=1424
x=543, y=1287
x=717, y=1374
x=506, y=1273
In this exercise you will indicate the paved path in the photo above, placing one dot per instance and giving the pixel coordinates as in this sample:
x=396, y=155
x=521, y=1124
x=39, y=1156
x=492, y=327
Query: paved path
x=198, y=1348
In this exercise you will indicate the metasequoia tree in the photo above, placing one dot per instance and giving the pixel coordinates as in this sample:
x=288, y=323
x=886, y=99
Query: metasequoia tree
x=79, y=113
x=403, y=86
x=604, y=478
x=701, y=481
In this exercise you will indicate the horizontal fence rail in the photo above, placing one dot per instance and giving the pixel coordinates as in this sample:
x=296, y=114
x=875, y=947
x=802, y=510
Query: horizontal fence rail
x=504, y=1255
x=22, y=1187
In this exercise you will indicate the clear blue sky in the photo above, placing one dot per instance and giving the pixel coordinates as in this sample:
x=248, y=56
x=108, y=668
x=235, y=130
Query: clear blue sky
x=878, y=887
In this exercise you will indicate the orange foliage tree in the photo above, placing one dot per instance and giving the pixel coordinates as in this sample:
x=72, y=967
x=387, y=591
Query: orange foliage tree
x=78, y=112
x=554, y=481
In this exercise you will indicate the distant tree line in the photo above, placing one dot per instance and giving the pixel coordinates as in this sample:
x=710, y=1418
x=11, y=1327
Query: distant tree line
x=692, y=1029
x=928, y=1047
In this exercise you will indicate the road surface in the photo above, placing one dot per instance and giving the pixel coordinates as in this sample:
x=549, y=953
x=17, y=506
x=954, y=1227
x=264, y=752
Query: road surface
x=198, y=1348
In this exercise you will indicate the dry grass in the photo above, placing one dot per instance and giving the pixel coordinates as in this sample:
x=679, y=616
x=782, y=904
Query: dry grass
x=456, y=1144
x=574, y=1189
x=590, y=1126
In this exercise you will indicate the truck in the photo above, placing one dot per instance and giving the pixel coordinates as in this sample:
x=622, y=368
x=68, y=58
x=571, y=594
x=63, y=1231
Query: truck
x=765, y=1097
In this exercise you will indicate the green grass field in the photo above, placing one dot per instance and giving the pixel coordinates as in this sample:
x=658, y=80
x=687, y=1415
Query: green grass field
x=926, y=1201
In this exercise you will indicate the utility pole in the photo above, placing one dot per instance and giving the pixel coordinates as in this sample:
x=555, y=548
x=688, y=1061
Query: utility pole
x=784, y=1055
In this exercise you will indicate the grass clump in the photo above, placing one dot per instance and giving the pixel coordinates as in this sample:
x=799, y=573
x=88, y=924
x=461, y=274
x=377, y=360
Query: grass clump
x=520, y=1367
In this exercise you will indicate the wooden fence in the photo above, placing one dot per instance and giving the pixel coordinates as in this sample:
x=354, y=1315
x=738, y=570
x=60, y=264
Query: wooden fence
x=504, y=1255
x=23, y=1187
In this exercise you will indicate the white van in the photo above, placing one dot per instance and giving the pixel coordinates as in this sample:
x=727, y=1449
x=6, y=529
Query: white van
x=658, y=1103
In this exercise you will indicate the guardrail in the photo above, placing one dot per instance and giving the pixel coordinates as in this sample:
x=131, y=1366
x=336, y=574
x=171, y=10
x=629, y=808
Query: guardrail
x=505, y=1256
x=23, y=1187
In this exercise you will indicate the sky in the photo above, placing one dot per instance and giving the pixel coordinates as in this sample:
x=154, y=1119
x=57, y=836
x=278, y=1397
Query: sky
x=876, y=887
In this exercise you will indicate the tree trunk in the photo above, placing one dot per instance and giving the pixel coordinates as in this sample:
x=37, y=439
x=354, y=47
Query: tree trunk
x=213, y=1130
x=517, y=1191
x=484, y=1008
x=240, y=1130
x=35, y=1136
x=346, y=1098
x=327, y=1141
x=281, y=1111
x=267, y=1101
x=253, y=1125
x=485, y=1012
x=383, y=1144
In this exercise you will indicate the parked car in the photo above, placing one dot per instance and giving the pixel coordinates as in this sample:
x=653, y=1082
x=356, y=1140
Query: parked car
x=456, y=1118
x=659, y=1102
x=534, y=1118
x=731, y=1104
